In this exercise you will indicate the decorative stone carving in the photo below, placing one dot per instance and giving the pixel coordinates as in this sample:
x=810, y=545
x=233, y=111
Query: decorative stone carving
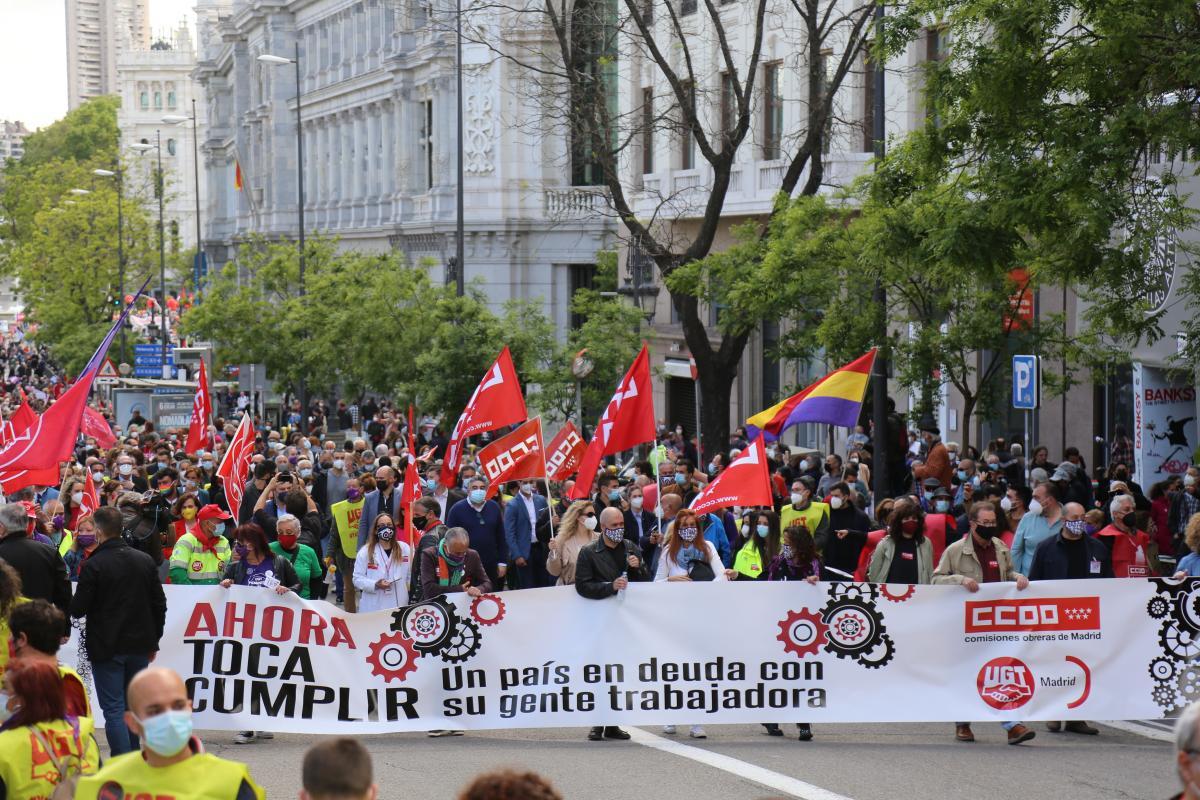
x=479, y=121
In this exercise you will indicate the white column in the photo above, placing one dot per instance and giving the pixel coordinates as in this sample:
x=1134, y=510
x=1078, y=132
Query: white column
x=387, y=177
x=343, y=167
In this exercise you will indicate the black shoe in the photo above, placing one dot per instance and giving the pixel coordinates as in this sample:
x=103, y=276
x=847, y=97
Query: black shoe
x=613, y=732
x=596, y=734
x=805, y=732
x=772, y=729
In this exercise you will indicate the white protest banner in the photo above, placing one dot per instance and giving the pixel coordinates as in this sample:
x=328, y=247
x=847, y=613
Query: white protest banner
x=703, y=653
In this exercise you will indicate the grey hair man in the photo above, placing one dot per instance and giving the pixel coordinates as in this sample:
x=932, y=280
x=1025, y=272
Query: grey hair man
x=43, y=574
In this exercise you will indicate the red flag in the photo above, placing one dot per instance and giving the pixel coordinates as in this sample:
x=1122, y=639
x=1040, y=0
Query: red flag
x=19, y=422
x=628, y=421
x=15, y=480
x=236, y=464
x=516, y=457
x=96, y=426
x=198, y=437
x=564, y=453
x=91, y=500
x=52, y=438
x=745, y=482
x=411, y=490
x=497, y=402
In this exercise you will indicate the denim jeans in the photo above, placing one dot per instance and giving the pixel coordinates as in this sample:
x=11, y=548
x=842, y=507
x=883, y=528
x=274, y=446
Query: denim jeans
x=112, y=679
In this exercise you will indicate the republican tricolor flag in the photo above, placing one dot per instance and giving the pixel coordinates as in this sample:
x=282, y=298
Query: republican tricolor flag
x=835, y=399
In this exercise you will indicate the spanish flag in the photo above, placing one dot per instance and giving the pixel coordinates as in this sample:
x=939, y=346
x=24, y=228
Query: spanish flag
x=237, y=175
x=836, y=399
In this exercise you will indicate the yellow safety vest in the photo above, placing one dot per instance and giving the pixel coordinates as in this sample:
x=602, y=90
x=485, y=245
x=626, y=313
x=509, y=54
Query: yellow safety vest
x=201, y=777
x=346, y=515
x=27, y=769
x=67, y=539
x=203, y=566
x=810, y=517
x=66, y=672
x=749, y=560
x=5, y=634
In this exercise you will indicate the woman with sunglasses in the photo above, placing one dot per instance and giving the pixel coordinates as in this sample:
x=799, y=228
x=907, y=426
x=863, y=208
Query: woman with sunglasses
x=576, y=529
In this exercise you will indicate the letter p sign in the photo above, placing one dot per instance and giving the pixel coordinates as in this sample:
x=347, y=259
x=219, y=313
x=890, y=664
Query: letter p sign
x=1026, y=377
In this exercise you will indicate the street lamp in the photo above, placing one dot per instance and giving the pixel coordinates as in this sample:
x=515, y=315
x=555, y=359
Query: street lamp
x=108, y=173
x=278, y=61
x=177, y=119
x=144, y=147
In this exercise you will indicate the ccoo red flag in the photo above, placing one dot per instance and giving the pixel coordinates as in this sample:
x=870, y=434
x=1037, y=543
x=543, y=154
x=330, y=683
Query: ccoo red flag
x=564, y=453
x=497, y=402
x=91, y=500
x=745, y=482
x=96, y=426
x=20, y=421
x=516, y=457
x=628, y=421
x=198, y=437
x=236, y=464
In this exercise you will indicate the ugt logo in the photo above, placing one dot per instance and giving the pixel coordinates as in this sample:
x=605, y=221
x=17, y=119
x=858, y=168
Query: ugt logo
x=1005, y=683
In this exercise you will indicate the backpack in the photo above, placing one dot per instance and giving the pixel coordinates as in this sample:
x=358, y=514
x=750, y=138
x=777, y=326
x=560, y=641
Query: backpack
x=69, y=770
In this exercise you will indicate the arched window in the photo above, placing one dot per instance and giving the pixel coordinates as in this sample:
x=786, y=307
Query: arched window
x=170, y=147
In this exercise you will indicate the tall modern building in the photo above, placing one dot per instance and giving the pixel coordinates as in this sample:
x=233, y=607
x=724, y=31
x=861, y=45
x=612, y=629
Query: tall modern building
x=98, y=31
x=12, y=140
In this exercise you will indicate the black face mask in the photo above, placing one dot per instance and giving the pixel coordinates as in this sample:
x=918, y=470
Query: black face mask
x=985, y=531
x=1120, y=475
x=1130, y=520
x=420, y=522
x=382, y=485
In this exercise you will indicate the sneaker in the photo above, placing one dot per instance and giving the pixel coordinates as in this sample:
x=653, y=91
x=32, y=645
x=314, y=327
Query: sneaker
x=804, y=731
x=438, y=733
x=1020, y=734
x=594, y=735
x=455, y=733
x=772, y=729
x=697, y=732
x=264, y=735
x=245, y=737
x=613, y=732
x=669, y=730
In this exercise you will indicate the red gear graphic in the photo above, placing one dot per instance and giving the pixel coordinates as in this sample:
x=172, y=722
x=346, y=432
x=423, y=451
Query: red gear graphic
x=808, y=648
x=432, y=625
x=478, y=601
x=850, y=626
x=885, y=590
x=384, y=642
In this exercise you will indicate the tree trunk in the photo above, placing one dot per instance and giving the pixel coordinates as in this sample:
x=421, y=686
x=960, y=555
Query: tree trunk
x=969, y=401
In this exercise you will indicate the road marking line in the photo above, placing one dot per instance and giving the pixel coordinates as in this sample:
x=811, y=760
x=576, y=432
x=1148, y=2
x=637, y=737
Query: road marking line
x=1150, y=732
x=743, y=769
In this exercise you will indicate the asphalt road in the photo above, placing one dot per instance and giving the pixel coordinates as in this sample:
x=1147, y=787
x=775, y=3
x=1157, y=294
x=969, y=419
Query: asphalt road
x=879, y=762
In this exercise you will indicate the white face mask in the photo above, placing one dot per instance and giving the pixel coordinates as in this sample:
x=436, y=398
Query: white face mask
x=1006, y=505
x=797, y=498
x=590, y=523
x=636, y=503
x=527, y=489
x=125, y=469
x=836, y=502
x=1035, y=508
x=76, y=497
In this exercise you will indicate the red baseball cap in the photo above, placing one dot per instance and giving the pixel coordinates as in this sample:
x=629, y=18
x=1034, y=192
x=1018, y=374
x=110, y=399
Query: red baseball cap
x=213, y=511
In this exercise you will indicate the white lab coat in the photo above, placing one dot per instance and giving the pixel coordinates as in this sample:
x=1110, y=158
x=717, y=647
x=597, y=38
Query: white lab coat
x=365, y=576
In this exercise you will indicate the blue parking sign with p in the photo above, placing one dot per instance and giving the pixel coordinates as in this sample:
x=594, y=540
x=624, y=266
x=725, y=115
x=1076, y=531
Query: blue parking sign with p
x=1026, y=378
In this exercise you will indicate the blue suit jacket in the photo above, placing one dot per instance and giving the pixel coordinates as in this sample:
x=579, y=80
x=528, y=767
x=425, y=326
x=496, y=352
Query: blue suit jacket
x=517, y=525
x=371, y=510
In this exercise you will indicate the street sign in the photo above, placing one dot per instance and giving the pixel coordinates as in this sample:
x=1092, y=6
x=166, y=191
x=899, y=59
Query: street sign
x=107, y=370
x=1027, y=379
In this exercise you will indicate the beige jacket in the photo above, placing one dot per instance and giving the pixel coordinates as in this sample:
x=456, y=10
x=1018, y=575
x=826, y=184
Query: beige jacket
x=565, y=555
x=959, y=562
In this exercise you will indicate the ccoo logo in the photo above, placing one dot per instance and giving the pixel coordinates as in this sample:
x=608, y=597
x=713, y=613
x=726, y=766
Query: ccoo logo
x=1005, y=683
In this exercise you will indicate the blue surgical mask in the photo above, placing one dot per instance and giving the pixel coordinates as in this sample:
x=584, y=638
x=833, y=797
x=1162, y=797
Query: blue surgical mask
x=941, y=506
x=478, y=496
x=680, y=478
x=762, y=531
x=219, y=529
x=614, y=496
x=431, y=484
x=962, y=475
x=306, y=473
x=167, y=733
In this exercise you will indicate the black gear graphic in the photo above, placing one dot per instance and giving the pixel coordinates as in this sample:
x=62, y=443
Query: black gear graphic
x=1162, y=669
x=1165, y=695
x=463, y=644
x=879, y=656
x=1178, y=642
x=856, y=591
x=1189, y=683
x=429, y=624
x=1158, y=607
x=854, y=627
x=1172, y=588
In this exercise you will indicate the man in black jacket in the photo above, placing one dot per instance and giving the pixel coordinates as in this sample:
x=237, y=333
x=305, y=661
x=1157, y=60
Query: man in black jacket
x=125, y=607
x=605, y=568
x=848, y=528
x=1071, y=555
x=43, y=573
